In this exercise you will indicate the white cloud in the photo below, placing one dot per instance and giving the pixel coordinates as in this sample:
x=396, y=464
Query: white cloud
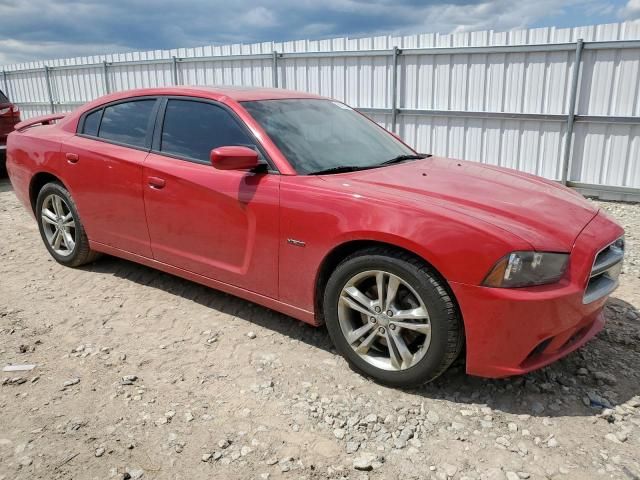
x=631, y=11
x=44, y=29
x=259, y=17
x=316, y=29
x=15, y=51
x=497, y=15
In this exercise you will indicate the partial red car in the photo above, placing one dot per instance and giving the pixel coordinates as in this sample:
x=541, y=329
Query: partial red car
x=303, y=205
x=9, y=116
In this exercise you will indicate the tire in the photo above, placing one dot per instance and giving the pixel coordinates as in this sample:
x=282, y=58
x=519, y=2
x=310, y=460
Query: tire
x=432, y=350
x=73, y=249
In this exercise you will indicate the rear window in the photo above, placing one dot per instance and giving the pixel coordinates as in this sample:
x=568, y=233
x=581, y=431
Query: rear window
x=127, y=122
x=3, y=98
x=91, y=123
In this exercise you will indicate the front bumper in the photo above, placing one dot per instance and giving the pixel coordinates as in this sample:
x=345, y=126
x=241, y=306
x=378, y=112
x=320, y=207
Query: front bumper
x=514, y=331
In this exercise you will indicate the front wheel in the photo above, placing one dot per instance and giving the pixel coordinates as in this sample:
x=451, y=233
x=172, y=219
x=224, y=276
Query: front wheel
x=60, y=226
x=392, y=318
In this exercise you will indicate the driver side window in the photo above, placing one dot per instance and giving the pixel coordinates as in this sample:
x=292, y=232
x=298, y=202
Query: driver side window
x=192, y=129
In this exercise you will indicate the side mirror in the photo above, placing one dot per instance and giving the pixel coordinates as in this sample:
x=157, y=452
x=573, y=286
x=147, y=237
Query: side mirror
x=234, y=158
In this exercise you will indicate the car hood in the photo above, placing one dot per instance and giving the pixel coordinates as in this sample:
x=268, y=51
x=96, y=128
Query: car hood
x=543, y=213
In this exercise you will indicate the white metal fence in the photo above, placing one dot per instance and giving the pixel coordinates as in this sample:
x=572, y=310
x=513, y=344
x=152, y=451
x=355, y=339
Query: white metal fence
x=561, y=103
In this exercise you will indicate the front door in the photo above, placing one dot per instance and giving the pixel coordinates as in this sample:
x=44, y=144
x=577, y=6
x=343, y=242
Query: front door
x=219, y=224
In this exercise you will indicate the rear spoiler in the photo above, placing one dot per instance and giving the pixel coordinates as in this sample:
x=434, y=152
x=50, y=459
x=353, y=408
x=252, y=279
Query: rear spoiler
x=41, y=120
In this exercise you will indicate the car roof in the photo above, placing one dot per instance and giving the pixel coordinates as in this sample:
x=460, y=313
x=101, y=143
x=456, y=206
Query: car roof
x=223, y=94
x=239, y=94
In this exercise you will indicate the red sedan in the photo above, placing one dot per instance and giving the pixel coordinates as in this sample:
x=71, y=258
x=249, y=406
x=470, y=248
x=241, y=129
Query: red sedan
x=302, y=204
x=9, y=116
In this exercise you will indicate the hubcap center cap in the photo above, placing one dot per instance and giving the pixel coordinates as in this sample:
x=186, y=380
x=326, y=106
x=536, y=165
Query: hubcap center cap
x=383, y=320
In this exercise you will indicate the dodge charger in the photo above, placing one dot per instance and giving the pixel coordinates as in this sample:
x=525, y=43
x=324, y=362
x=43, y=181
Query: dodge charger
x=304, y=205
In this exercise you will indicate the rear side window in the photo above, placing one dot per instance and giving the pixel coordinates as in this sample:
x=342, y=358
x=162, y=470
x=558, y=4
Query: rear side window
x=91, y=123
x=3, y=98
x=192, y=129
x=127, y=122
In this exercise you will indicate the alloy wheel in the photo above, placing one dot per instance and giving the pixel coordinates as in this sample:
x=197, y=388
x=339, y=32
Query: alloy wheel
x=384, y=320
x=58, y=224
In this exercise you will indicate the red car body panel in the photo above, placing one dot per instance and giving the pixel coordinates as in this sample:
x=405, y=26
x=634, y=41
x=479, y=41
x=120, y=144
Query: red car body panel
x=526, y=317
x=120, y=221
x=334, y=210
x=265, y=237
x=232, y=219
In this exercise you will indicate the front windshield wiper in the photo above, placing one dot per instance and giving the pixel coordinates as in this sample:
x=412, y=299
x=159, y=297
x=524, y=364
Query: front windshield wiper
x=354, y=168
x=402, y=158
x=342, y=169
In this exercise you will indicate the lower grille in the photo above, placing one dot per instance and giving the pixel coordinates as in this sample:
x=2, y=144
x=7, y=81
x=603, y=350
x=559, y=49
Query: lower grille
x=536, y=352
x=605, y=272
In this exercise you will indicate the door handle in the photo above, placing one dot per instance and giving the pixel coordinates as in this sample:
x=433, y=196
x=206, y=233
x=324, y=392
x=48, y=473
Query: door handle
x=156, y=183
x=72, y=157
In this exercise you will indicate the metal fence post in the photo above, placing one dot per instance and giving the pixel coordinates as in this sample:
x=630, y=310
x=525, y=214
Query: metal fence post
x=105, y=72
x=48, y=80
x=6, y=83
x=8, y=91
x=274, y=69
x=571, y=114
x=174, y=69
x=394, y=89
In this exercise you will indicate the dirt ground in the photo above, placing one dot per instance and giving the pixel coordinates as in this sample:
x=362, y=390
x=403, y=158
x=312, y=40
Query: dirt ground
x=140, y=374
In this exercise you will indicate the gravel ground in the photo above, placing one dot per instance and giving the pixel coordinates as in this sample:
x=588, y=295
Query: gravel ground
x=143, y=375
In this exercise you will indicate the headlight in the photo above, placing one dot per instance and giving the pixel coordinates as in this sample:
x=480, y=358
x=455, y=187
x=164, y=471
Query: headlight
x=525, y=269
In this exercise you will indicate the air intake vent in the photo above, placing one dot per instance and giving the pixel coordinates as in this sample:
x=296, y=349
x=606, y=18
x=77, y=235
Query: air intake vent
x=605, y=271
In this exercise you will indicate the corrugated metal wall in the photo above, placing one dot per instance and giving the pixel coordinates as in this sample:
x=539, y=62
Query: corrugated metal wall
x=459, y=95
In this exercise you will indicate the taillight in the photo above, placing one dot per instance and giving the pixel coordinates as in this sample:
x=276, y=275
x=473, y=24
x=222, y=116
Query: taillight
x=10, y=112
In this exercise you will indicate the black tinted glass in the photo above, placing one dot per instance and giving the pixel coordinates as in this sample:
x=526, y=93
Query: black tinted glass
x=91, y=123
x=3, y=98
x=192, y=129
x=127, y=122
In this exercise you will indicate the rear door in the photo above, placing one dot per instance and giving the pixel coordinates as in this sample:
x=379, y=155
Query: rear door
x=219, y=224
x=104, y=163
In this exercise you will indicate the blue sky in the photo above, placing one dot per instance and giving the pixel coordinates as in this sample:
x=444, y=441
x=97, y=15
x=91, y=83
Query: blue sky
x=37, y=29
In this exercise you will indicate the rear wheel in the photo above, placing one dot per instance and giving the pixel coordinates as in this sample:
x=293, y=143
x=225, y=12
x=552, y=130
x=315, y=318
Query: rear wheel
x=61, y=228
x=392, y=318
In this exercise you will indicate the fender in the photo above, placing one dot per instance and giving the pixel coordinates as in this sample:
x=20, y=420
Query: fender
x=323, y=217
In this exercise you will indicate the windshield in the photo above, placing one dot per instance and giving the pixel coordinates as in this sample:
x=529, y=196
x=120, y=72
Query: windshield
x=3, y=98
x=317, y=134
